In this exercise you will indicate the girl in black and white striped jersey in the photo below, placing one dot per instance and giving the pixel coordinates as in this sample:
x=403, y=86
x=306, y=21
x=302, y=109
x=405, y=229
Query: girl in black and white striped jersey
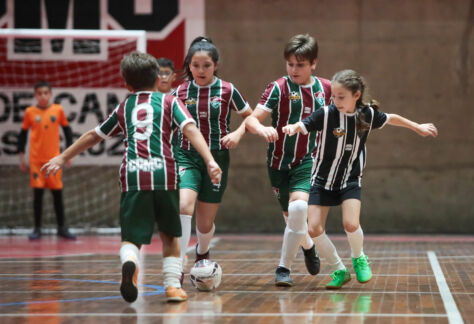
x=338, y=166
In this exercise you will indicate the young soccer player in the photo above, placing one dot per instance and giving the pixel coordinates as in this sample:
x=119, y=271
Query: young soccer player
x=210, y=100
x=341, y=157
x=166, y=75
x=44, y=120
x=288, y=100
x=148, y=174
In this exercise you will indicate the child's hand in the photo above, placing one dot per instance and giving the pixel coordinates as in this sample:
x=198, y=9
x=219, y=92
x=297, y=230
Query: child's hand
x=214, y=172
x=427, y=130
x=231, y=140
x=23, y=166
x=269, y=133
x=291, y=129
x=55, y=164
x=68, y=163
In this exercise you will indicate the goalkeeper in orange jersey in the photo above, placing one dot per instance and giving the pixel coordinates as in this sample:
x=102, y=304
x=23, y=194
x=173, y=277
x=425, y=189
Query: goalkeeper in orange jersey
x=44, y=120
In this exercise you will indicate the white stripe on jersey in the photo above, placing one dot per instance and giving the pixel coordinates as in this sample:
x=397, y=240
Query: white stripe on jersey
x=355, y=149
x=335, y=162
x=298, y=134
x=220, y=115
x=284, y=135
x=320, y=154
x=165, y=167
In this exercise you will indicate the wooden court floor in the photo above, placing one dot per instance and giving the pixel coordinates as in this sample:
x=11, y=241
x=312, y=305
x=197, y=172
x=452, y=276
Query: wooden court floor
x=417, y=279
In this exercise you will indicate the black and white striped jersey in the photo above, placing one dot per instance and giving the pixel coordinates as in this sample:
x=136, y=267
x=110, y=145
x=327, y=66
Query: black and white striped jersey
x=341, y=154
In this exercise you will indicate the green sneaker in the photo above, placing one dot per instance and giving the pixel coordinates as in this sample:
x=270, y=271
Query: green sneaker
x=362, y=269
x=339, y=277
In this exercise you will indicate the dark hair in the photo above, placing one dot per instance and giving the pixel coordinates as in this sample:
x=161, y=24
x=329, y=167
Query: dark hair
x=139, y=70
x=199, y=44
x=165, y=62
x=353, y=82
x=304, y=47
x=42, y=83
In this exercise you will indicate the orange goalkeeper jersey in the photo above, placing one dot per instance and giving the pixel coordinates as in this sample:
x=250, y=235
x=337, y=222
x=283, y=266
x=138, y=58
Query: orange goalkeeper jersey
x=44, y=137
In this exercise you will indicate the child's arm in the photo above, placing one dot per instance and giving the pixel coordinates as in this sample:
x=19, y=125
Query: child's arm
x=84, y=142
x=422, y=129
x=232, y=139
x=293, y=129
x=199, y=143
x=254, y=126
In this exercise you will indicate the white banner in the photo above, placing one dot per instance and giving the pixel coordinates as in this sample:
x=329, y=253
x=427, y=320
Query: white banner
x=85, y=108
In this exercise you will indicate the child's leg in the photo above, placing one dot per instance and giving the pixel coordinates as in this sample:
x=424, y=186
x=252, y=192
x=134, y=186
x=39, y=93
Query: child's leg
x=172, y=266
x=307, y=242
x=187, y=200
x=205, y=228
x=38, y=206
x=129, y=254
x=58, y=206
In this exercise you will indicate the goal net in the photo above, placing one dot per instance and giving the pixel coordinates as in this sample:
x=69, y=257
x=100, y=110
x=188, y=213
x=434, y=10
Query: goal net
x=83, y=67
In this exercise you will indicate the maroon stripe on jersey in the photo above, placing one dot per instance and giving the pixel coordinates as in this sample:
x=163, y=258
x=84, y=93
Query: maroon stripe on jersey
x=203, y=113
x=123, y=166
x=284, y=115
x=142, y=146
x=167, y=111
x=327, y=90
x=226, y=95
x=302, y=141
x=182, y=93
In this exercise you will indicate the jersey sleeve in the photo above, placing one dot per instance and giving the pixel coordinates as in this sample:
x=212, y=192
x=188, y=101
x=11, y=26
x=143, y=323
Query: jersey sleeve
x=314, y=122
x=327, y=90
x=181, y=115
x=26, y=120
x=270, y=97
x=238, y=102
x=379, y=118
x=110, y=126
x=62, y=117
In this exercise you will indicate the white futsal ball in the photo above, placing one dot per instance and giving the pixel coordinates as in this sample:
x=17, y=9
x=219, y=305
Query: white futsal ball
x=206, y=275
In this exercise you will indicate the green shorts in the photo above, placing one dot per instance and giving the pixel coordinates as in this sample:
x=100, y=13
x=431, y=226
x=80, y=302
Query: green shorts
x=139, y=210
x=296, y=179
x=193, y=174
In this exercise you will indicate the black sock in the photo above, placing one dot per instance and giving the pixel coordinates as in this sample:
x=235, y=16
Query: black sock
x=37, y=206
x=58, y=206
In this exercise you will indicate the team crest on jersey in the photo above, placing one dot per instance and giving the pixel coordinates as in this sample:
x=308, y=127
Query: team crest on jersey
x=215, y=102
x=52, y=118
x=294, y=96
x=338, y=132
x=319, y=96
x=276, y=192
x=190, y=102
x=38, y=119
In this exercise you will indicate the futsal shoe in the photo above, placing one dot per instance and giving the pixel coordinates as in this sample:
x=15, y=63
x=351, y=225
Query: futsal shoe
x=362, y=268
x=64, y=233
x=174, y=294
x=311, y=260
x=339, y=278
x=36, y=234
x=201, y=256
x=282, y=277
x=128, y=287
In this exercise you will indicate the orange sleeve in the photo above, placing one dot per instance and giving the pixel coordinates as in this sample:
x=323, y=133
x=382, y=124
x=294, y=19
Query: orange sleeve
x=26, y=120
x=62, y=117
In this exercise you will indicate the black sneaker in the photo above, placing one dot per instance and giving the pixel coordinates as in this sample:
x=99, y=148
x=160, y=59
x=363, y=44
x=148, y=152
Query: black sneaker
x=282, y=277
x=201, y=256
x=35, y=235
x=311, y=260
x=64, y=233
x=128, y=286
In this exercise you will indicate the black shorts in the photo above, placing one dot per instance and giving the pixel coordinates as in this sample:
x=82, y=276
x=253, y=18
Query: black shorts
x=323, y=197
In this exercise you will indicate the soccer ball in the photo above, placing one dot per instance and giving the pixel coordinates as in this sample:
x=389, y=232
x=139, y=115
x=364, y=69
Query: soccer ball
x=206, y=275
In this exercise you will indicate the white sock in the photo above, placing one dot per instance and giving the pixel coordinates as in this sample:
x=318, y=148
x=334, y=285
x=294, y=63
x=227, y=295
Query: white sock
x=307, y=242
x=204, y=239
x=172, y=272
x=186, y=234
x=328, y=251
x=129, y=252
x=356, y=241
x=295, y=230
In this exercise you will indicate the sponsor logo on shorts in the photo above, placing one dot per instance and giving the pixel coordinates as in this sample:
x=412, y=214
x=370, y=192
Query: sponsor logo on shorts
x=182, y=171
x=146, y=165
x=338, y=132
x=276, y=192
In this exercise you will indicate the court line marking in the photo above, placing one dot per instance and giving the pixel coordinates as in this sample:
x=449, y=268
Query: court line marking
x=209, y=314
x=454, y=316
x=186, y=274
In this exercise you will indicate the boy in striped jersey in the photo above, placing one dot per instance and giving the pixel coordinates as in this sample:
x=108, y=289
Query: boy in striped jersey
x=210, y=101
x=148, y=174
x=288, y=100
x=340, y=159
